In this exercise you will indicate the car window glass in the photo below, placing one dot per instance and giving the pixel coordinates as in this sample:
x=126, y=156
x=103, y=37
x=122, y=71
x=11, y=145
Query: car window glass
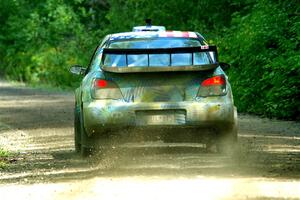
x=154, y=43
x=201, y=58
x=180, y=59
x=140, y=60
x=115, y=60
x=157, y=60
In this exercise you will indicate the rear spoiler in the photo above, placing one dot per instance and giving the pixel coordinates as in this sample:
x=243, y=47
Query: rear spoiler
x=192, y=66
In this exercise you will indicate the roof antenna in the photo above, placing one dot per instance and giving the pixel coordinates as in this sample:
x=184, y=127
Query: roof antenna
x=148, y=22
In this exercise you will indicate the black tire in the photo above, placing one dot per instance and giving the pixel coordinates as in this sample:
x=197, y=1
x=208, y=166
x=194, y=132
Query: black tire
x=227, y=144
x=210, y=145
x=77, y=131
x=85, y=150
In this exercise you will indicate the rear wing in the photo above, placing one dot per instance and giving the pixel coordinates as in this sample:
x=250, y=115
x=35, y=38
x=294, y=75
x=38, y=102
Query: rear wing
x=159, y=60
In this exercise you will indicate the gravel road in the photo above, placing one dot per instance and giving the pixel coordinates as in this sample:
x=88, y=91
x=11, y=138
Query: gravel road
x=38, y=125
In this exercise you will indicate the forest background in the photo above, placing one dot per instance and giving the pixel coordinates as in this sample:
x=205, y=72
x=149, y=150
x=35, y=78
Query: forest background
x=40, y=40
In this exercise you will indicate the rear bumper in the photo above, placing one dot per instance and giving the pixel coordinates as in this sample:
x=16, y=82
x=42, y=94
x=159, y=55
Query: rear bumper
x=102, y=116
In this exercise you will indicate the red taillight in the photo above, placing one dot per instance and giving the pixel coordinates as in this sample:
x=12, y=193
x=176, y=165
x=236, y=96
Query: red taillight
x=104, y=89
x=216, y=80
x=100, y=83
x=214, y=86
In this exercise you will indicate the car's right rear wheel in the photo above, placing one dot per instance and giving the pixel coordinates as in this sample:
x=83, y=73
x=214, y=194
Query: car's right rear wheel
x=227, y=139
x=226, y=144
x=86, y=151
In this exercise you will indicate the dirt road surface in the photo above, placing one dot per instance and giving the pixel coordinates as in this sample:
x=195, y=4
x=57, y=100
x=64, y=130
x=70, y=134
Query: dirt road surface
x=38, y=126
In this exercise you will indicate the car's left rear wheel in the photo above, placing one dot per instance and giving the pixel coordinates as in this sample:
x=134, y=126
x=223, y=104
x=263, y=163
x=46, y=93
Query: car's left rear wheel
x=85, y=141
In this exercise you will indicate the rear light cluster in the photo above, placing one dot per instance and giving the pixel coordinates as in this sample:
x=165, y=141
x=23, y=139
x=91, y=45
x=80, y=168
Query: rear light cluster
x=104, y=89
x=214, y=86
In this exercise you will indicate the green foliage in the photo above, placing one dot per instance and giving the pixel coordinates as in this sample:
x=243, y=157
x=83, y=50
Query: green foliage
x=42, y=39
x=207, y=17
x=3, y=158
x=39, y=40
x=263, y=47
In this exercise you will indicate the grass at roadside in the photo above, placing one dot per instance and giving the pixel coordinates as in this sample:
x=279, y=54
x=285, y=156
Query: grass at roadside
x=4, y=158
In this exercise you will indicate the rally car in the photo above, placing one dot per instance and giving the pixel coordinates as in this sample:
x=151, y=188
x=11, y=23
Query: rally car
x=167, y=84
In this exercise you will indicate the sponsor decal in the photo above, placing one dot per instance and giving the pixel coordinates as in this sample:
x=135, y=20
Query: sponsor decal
x=178, y=34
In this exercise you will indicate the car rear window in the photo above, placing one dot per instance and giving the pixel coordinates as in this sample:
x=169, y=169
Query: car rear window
x=157, y=60
x=153, y=43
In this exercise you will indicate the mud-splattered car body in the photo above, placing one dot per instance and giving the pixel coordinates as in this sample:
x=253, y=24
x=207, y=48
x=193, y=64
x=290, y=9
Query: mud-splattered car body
x=165, y=80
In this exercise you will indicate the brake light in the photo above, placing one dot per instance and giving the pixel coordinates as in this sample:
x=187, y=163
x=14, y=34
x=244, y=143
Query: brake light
x=216, y=80
x=100, y=83
x=214, y=86
x=104, y=89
